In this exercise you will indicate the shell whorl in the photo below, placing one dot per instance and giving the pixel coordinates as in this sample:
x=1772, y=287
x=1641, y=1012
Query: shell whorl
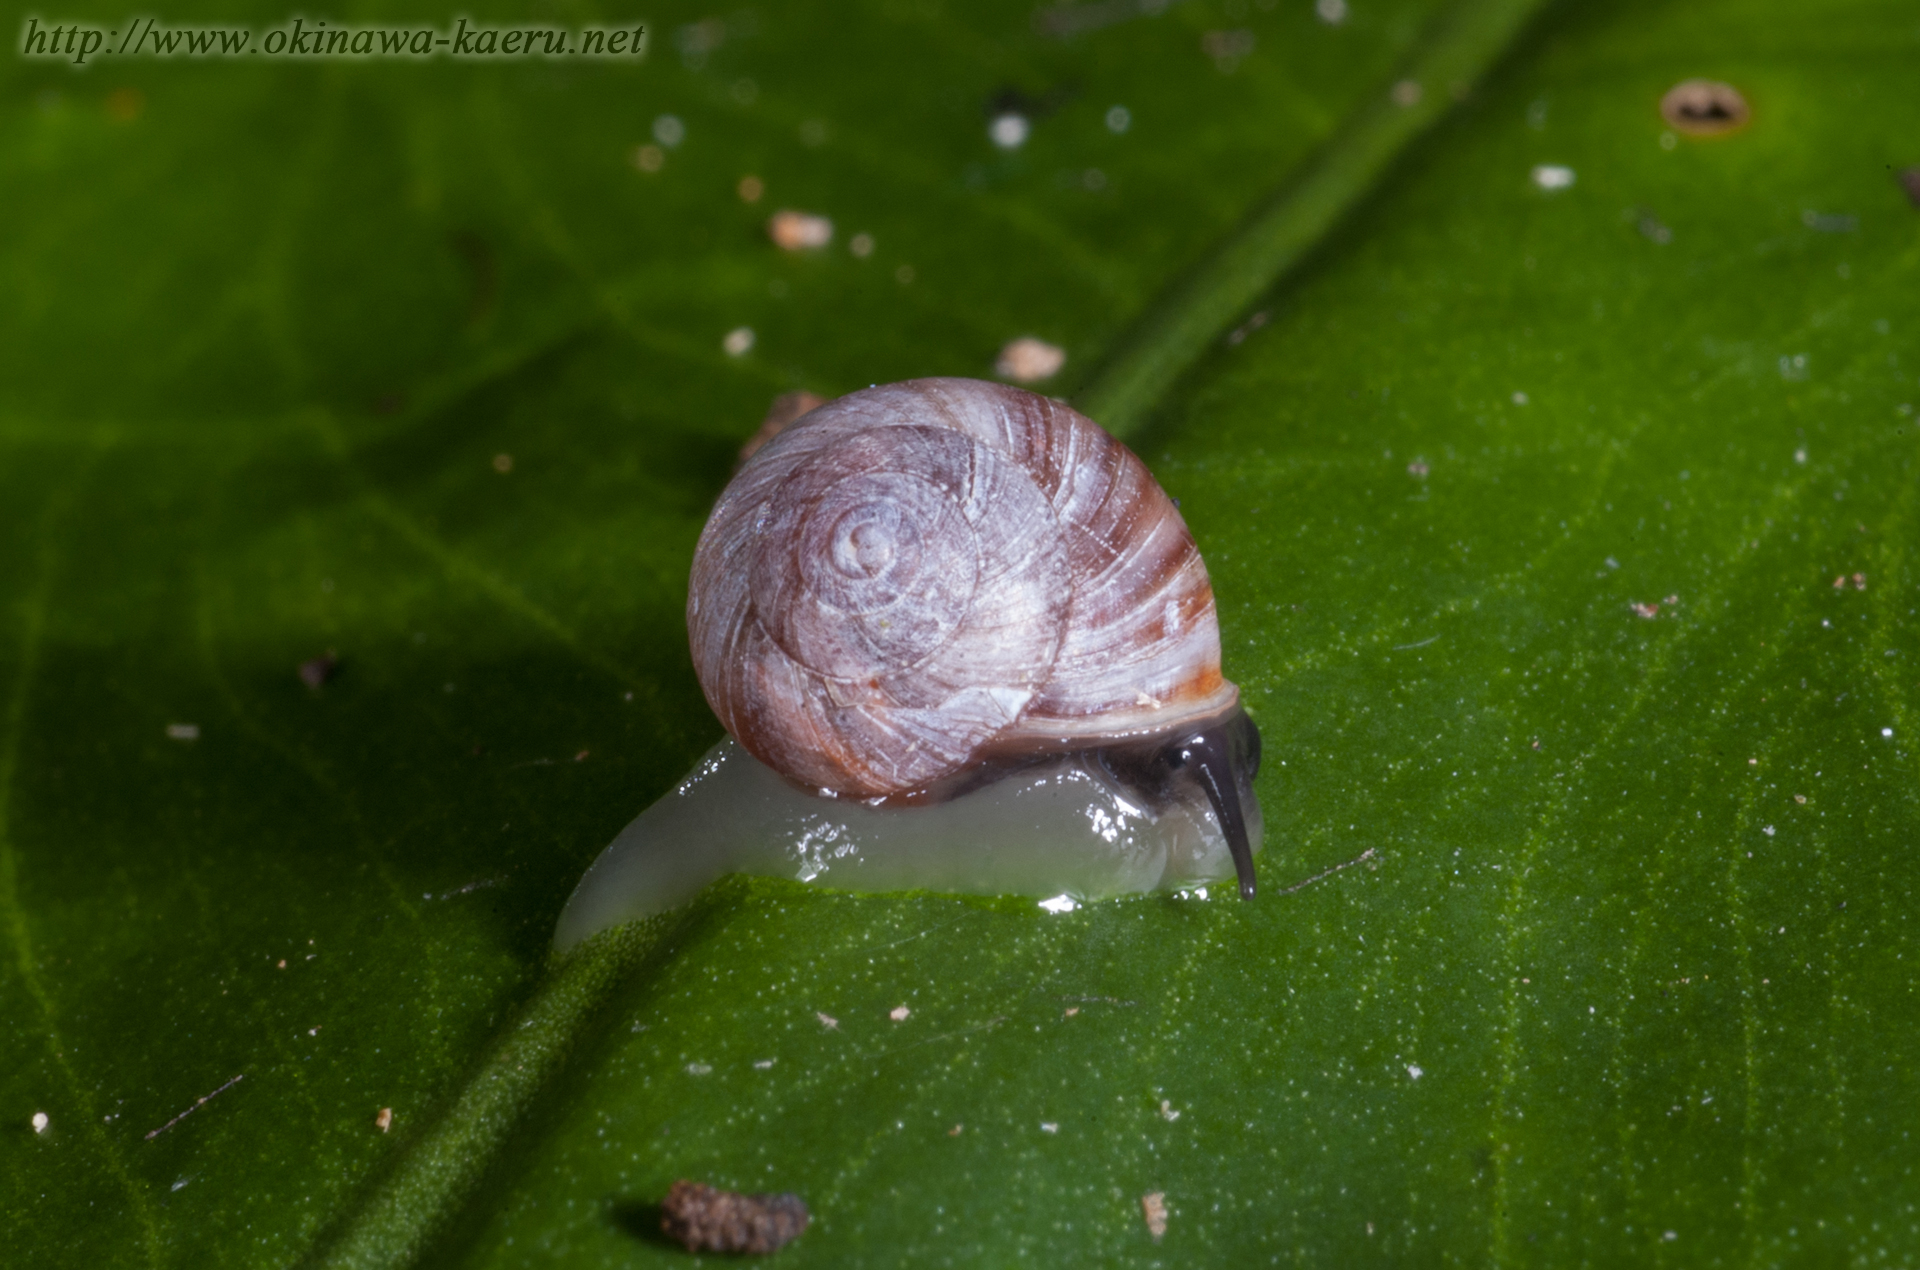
x=921, y=573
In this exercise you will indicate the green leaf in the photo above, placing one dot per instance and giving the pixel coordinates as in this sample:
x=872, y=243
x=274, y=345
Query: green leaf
x=1596, y=985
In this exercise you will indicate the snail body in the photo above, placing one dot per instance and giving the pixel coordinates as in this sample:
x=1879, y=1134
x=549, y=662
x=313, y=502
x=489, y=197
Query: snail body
x=922, y=591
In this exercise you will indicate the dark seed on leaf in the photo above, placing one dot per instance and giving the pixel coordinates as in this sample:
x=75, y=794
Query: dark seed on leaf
x=707, y=1219
x=1704, y=107
x=316, y=671
x=1910, y=181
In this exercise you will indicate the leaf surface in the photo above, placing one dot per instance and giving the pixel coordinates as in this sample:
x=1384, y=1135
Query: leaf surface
x=1561, y=538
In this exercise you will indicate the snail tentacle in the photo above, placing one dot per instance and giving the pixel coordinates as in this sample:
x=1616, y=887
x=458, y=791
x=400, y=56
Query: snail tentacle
x=1209, y=753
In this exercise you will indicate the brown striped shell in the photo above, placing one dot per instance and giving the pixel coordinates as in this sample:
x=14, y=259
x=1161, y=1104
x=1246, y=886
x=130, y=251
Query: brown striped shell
x=923, y=574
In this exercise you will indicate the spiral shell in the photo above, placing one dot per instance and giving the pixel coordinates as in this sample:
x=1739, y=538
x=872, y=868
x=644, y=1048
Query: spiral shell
x=922, y=574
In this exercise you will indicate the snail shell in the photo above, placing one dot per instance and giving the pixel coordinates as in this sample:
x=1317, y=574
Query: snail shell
x=921, y=576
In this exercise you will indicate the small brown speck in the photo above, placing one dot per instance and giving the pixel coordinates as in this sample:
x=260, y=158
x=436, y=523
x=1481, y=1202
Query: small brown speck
x=1799, y=798
x=1704, y=107
x=125, y=104
x=1071, y=1011
x=750, y=189
x=581, y=757
x=1647, y=610
x=706, y=1219
x=282, y=965
x=316, y=671
x=1910, y=182
x=384, y=1121
x=1417, y=468
x=955, y=1131
x=1407, y=93
x=1153, y=1206
x=649, y=158
x=503, y=463
x=786, y=408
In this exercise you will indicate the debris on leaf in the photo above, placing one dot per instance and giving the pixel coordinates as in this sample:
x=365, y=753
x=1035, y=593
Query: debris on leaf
x=1252, y=324
x=750, y=189
x=125, y=104
x=316, y=671
x=1228, y=48
x=384, y=1121
x=1552, y=176
x=39, y=1122
x=1704, y=107
x=1027, y=359
x=1829, y=222
x=899, y=1013
x=707, y=1219
x=1910, y=182
x=1153, y=1206
x=828, y=1022
x=739, y=341
x=1009, y=131
x=183, y=731
x=1647, y=610
x=797, y=231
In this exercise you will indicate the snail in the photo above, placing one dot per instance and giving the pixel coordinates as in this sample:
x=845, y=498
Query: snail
x=960, y=640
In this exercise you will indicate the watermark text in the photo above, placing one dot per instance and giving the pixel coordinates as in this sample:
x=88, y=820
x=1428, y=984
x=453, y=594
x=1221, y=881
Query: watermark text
x=301, y=37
